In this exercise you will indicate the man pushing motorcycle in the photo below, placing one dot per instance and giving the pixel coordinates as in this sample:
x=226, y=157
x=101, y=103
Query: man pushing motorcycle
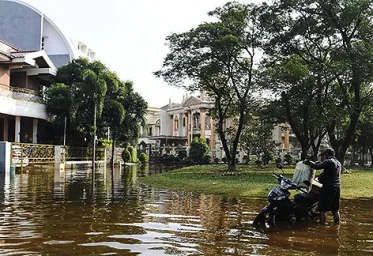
x=330, y=178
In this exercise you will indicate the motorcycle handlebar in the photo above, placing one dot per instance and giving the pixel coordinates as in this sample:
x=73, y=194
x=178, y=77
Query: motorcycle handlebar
x=280, y=177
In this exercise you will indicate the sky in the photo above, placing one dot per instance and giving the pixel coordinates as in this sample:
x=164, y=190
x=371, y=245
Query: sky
x=128, y=36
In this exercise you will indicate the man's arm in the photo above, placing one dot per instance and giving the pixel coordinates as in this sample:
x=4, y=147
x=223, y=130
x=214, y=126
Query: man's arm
x=316, y=166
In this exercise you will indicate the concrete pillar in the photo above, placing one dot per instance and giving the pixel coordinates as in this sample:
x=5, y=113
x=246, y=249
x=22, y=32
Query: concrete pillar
x=203, y=123
x=34, y=131
x=172, y=125
x=187, y=127
x=212, y=137
x=17, y=133
x=5, y=156
x=59, y=159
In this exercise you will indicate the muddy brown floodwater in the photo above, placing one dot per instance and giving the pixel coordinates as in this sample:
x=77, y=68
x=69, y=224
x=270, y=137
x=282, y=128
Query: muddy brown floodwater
x=44, y=212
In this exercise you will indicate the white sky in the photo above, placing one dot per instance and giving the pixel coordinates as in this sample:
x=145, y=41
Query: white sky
x=129, y=35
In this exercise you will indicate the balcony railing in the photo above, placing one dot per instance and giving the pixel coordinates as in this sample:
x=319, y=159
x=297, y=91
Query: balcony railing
x=22, y=94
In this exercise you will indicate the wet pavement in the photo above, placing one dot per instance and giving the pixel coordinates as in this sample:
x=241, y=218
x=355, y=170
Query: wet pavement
x=44, y=212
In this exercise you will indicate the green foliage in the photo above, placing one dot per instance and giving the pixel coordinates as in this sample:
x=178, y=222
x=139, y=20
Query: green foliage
x=257, y=136
x=80, y=85
x=105, y=142
x=218, y=57
x=182, y=155
x=133, y=153
x=143, y=158
x=319, y=57
x=206, y=159
x=198, y=149
x=127, y=156
x=250, y=181
x=224, y=159
x=267, y=157
x=288, y=159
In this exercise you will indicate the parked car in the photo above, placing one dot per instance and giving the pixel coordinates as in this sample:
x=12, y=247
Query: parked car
x=18, y=158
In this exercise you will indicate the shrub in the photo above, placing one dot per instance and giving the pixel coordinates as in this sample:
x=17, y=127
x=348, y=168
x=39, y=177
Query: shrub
x=133, y=153
x=288, y=158
x=198, y=149
x=224, y=159
x=143, y=158
x=126, y=156
x=216, y=160
x=206, y=159
x=182, y=154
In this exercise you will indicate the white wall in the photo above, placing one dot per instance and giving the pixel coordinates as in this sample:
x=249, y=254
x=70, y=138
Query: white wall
x=54, y=43
x=165, y=123
x=13, y=107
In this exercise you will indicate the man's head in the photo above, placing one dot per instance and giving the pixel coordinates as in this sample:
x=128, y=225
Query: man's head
x=328, y=152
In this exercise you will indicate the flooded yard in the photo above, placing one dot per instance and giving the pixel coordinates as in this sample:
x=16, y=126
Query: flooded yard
x=44, y=212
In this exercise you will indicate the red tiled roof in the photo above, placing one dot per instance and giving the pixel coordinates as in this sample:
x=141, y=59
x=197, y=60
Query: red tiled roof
x=19, y=54
x=16, y=48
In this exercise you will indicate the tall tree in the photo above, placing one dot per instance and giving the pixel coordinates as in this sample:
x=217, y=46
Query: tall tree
x=80, y=86
x=218, y=57
x=334, y=35
x=298, y=98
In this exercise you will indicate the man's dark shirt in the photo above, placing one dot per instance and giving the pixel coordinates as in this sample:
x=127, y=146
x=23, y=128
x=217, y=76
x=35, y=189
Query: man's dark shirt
x=331, y=173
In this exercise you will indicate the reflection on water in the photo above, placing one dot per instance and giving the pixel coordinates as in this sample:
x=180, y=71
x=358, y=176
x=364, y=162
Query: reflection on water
x=50, y=213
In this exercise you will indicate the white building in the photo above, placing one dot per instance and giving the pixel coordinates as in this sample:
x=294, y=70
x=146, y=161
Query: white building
x=30, y=29
x=32, y=47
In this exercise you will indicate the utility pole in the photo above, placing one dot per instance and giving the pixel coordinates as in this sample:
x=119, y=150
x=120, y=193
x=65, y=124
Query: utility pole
x=94, y=144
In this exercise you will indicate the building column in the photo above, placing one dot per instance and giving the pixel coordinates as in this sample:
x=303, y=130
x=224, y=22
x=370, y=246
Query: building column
x=212, y=137
x=172, y=125
x=203, y=123
x=17, y=135
x=35, y=131
x=188, y=127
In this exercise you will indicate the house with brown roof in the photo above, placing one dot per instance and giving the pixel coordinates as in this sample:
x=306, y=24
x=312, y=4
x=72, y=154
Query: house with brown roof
x=23, y=75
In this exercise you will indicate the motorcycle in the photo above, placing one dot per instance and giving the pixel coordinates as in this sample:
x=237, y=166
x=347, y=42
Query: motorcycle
x=280, y=208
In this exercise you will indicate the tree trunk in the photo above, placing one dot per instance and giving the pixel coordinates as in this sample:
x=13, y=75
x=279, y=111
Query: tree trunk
x=304, y=151
x=232, y=165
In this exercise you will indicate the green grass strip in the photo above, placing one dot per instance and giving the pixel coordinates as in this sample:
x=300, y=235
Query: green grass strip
x=248, y=181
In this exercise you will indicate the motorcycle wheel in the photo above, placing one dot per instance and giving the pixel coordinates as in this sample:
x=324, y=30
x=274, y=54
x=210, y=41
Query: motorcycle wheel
x=263, y=216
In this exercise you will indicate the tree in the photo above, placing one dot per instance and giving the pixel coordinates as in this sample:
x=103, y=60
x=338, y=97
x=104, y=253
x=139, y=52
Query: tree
x=335, y=36
x=256, y=137
x=80, y=85
x=218, y=57
x=298, y=99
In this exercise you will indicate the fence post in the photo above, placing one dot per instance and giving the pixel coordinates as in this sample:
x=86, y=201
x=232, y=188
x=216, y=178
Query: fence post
x=5, y=157
x=58, y=161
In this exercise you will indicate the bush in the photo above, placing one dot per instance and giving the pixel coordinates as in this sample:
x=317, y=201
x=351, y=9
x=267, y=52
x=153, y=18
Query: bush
x=288, y=158
x=198, y=149
x=267, y=157
x=143, y=158
x=216, y=160
x=246, y=159
x=225, y=160
x=126, y=156
x=206, y=159
x=133, y=153
x=182, y=154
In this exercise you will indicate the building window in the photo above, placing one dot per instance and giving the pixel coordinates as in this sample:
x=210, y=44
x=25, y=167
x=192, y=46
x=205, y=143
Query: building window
x=184, y=121
x=42, y=42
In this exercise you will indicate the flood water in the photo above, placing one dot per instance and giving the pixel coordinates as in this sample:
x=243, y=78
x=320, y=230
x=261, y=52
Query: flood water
x=44, y=212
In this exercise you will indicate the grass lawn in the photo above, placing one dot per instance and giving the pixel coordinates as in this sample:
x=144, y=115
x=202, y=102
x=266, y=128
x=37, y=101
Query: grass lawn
x=248, y=181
